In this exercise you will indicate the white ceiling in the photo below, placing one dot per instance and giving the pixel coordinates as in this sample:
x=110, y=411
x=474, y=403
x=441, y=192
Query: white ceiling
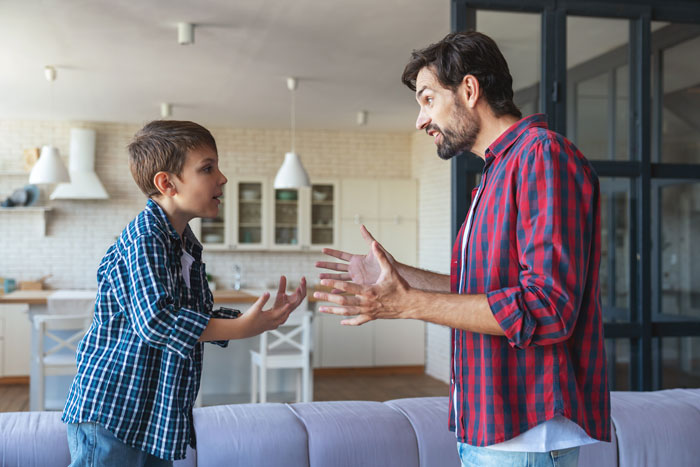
x=117, y=60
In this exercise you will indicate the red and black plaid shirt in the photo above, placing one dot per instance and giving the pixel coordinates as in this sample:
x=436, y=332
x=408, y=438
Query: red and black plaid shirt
x=533, y=247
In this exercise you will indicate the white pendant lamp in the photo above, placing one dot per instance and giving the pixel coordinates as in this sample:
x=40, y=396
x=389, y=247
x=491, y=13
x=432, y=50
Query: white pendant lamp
x=292, y=173
x=49, y=169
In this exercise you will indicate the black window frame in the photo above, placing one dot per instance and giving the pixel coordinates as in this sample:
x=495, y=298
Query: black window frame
x=641, y=169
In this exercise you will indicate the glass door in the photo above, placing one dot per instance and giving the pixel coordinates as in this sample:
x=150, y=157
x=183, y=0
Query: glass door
x=286, y=219
x=323, y=215
x=250, y=204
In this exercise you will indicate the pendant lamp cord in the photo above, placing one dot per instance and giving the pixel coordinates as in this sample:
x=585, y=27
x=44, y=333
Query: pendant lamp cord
x=293, y=122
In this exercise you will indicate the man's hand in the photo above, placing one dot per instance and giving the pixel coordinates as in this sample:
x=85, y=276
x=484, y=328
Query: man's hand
x=259, y=320
x=360, y=269
x=385, y=298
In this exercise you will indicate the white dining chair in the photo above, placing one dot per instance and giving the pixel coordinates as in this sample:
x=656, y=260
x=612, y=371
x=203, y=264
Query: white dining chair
x=288, y=346
x=56, y=354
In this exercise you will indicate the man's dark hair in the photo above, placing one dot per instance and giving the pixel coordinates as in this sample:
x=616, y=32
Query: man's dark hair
x=467, y=53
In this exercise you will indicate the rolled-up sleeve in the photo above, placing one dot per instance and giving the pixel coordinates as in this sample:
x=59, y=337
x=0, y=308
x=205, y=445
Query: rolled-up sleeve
x=555, y=198
x=150, y=308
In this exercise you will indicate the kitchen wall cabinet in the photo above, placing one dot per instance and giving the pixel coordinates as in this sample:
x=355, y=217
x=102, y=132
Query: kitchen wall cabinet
x=15, y=332
x=389, y=210
x=255, y=216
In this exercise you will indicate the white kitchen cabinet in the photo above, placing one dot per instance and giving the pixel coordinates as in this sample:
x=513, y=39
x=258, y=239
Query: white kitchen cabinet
x=15, y=340
x=341, y=346
x=389, y=210
x=399, y=342
x=255, y=216
x=323, y=214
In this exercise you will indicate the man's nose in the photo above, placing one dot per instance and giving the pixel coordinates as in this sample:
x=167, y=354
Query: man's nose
x=422, y=121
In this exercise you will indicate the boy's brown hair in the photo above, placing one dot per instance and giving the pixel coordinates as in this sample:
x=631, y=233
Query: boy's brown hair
x=161, y=146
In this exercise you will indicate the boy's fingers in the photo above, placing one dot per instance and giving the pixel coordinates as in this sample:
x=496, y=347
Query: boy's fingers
x=260, y=302
x=282, y=286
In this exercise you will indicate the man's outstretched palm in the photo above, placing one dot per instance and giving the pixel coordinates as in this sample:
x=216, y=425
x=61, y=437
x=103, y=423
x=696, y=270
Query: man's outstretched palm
x=360, y=269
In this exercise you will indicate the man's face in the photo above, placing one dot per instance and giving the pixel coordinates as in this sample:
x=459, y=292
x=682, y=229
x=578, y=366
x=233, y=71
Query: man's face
x=200, y=184
x=444, y=116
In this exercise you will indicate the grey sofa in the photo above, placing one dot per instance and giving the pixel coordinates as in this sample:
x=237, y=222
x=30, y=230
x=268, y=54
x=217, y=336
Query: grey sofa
x=649, y=429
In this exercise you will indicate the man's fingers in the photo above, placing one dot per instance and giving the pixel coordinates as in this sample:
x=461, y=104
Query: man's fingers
x=332, y=265
x=337, y=277
x=366, y=235
x=340, y=310
x=356, y=321
x=337, y=254
x=381, y=256
x=344, y=300
x=349, y=287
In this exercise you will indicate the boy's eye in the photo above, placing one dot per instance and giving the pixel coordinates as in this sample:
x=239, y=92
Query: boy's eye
x=207, y=169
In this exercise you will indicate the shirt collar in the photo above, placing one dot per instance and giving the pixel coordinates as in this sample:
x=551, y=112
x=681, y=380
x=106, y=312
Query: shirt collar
x=508, y=137
x=189, y=241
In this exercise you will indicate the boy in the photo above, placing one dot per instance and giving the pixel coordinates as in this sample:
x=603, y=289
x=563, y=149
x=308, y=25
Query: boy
x=140, y=363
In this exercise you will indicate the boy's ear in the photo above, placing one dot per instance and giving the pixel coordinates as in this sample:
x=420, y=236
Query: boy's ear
x=164, y=184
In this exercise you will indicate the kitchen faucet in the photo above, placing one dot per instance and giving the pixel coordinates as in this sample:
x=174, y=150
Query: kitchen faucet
x=236, y=276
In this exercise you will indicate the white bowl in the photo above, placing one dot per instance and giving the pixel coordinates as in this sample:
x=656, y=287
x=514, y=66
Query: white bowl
x=319, y=195
x=249, y=195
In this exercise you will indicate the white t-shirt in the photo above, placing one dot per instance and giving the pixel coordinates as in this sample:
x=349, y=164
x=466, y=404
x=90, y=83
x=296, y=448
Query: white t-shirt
x=186, y=260
x=557, y=433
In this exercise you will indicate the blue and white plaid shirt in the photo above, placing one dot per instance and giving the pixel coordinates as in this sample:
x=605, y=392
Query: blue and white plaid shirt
x=140, y=363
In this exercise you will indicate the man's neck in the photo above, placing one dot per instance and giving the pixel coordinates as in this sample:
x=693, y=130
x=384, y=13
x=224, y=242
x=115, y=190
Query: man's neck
x=176, y=217
x=491, y=128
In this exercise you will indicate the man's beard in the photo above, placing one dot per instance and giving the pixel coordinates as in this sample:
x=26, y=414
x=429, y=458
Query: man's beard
x=455, y=142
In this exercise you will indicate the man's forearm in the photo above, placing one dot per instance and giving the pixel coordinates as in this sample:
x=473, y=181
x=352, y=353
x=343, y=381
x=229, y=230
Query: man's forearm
x=424, y=280
x=468, y=312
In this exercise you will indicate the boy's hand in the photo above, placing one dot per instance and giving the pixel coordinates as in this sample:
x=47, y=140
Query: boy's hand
x=261, y=320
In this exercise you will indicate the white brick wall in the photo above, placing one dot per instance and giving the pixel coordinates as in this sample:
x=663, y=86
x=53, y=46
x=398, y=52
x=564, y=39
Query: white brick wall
x=79, y=232
x=434, y=239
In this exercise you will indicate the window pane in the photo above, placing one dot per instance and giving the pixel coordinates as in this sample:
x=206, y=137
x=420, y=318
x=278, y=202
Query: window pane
x=617, y=352
x=679, y=206
x=518, y=37
x=598, y=86
x=681, y=362
x=680, y=127
x=615, y=244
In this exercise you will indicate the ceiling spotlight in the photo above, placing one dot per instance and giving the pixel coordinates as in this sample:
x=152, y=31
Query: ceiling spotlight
x=362, y=117
x=166, y=110
x=185, y=33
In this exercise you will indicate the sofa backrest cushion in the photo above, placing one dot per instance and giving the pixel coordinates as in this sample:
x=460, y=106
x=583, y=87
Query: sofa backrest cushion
x=258, y=435
x=30, y=439
x=437, y=445
x=357, y=433
x=658, y=427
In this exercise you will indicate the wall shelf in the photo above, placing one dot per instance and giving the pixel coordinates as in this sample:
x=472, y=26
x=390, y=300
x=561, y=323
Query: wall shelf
x=37, y=209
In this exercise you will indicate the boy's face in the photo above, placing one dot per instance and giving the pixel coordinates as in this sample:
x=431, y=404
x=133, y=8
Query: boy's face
x=200, y=184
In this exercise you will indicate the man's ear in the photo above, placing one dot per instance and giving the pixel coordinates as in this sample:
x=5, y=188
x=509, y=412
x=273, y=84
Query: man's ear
x=470, y=90
x=164, y=184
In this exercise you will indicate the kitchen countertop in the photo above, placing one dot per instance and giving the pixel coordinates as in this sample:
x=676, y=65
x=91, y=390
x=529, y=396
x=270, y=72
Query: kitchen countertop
x=39, y=297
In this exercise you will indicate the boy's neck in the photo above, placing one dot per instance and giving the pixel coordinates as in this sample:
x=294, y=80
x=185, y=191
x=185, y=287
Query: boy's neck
x=176, y=217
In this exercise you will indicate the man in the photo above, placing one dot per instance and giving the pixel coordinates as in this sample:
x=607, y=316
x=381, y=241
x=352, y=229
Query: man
x=529, y=383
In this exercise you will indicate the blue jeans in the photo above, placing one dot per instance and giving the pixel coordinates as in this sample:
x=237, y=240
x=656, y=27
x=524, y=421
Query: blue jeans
x=92, y=445
x=476, y=456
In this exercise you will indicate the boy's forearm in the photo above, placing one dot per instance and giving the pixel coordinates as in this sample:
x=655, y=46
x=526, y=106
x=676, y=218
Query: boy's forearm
x=227, y=329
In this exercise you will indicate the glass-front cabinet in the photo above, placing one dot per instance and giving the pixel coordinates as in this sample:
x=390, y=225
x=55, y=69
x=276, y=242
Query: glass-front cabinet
x=286, y=219
x=249, y=217
x=255, y=216
x=324, y=215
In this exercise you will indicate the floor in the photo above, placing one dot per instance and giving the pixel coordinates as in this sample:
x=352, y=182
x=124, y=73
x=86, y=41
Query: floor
x=328, y=386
